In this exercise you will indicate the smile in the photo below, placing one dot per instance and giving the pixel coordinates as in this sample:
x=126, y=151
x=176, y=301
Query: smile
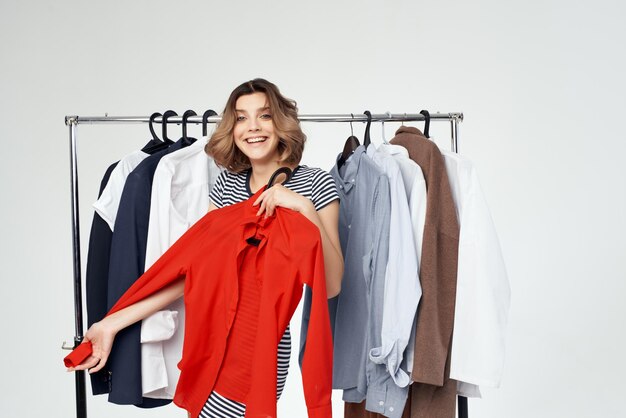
x=256, y=139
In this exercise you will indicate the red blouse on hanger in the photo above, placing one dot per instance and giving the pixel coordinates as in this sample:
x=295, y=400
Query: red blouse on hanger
x=211, y=256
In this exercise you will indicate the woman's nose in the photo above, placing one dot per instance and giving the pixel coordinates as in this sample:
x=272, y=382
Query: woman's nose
x=253, y=125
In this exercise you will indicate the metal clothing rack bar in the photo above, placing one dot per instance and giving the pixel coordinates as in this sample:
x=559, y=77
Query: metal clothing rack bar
x=73, y=121
x=346, y=117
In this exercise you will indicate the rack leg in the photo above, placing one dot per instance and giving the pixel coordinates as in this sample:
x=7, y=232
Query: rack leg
x=81, y=395
x=454, y=128
x=462, y=403
x=81, y=398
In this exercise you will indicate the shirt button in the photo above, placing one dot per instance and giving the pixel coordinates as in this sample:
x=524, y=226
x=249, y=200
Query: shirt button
x=381, y=403
x=391, y=409
x=349, y=226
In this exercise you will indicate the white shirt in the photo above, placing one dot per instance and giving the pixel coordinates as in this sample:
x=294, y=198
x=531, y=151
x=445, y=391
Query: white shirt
x=109, y=201
x=402, y=286
x=483, y=293
x=180, y=197
x=415, y=186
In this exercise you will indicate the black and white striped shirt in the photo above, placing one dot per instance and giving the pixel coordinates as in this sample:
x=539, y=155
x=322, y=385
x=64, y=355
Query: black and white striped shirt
x=311, y=182
x=230, y=188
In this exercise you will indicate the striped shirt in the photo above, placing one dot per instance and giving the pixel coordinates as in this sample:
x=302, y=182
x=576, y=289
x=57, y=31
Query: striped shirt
x=230, y=188
x=314, y=183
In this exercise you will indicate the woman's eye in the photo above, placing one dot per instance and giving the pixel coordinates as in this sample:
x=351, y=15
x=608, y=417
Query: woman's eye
x=266, y=116
x=240, y=118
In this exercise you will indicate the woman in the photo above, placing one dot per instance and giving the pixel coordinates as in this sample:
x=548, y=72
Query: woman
x=259, y=134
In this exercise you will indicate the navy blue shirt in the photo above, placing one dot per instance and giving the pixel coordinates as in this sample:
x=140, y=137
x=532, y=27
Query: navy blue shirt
x=127, y=262
x=96, y=279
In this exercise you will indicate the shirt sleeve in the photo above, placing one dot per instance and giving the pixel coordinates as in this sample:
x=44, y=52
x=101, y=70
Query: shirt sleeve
x=318, y=355
x=324, y=189
x=217, y=191
x=97, y=280
x=402, y=290
x=172, y=265
x=159, y=219
x=483, y=292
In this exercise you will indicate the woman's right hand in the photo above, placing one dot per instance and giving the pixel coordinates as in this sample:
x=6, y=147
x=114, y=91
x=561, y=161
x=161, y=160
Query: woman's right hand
x=101, y=335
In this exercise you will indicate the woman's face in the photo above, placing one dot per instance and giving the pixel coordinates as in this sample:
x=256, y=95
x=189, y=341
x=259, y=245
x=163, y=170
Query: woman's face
x=254, y=130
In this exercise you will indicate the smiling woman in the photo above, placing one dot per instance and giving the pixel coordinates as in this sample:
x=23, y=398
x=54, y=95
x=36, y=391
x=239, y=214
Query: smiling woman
x=258, y=102
x=260, y=133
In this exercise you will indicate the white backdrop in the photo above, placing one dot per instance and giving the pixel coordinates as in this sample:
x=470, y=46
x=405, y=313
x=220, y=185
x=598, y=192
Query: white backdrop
x=542, y=87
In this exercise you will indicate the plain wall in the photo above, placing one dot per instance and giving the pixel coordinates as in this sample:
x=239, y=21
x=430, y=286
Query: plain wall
x=542, y=87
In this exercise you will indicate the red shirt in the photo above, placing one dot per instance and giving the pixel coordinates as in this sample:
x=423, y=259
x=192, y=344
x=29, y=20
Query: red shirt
x=211, y=255
x=234, y=377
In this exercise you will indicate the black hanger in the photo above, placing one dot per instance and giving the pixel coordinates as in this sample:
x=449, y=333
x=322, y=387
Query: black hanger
x=155, y=144
x=168, y=114
x=186, y=140
x=351, y=144
x=367, y=140
x=282, y=170
x=427, y=124
x=151, y=125
x=205, y=122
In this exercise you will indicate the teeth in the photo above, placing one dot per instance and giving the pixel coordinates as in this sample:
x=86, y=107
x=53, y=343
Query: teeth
x=254, y=140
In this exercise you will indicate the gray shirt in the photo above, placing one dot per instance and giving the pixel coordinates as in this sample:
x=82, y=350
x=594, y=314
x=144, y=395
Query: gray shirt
x=364, y=217
x=392, y=310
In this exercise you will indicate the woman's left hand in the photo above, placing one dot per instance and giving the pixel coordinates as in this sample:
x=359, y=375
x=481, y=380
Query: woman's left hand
x=279, y=195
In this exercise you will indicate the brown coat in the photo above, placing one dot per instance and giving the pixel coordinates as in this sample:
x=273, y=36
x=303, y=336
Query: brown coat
x=424, y=401
x=434, y=394
x=438, y=265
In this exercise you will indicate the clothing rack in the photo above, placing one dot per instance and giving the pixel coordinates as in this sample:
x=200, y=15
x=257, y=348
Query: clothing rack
x=454, y=118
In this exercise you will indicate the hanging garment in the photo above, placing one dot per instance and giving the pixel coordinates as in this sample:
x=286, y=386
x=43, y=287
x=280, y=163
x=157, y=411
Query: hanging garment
x=208, y=255
x=234, y=377
x=128, y=256
x=311, y=182
x=402, y=289
x=434, y=393
x=109, y=201
x=428, y=401
x=364, y=215
x=180, y=197
x=96, y=278
x=394, y=305
x=415, y=186
x=98, y=256
x=483, y=294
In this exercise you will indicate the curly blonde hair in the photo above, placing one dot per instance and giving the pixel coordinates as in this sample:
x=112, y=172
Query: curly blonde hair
x=221, y=147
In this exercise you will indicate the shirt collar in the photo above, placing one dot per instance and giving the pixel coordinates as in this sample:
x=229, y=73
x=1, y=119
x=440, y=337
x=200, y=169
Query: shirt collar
x=394, y=150
x=253, y=225
x=351, y=170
